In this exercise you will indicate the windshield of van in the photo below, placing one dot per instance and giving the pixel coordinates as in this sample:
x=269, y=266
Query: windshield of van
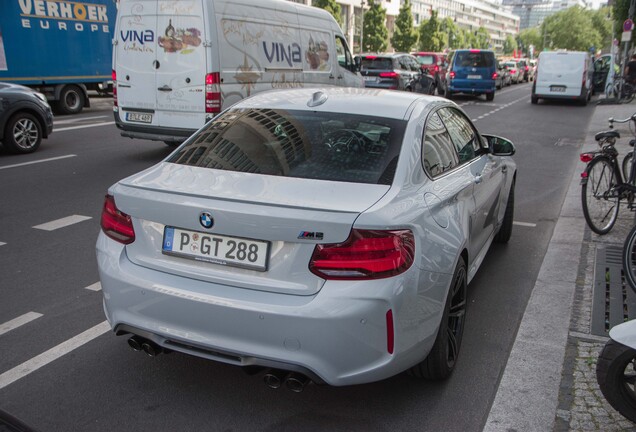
x=301, y=144
x=377, y=63
x=474, y=59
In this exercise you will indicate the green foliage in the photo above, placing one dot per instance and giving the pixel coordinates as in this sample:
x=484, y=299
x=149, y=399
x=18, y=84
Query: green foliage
x=405, y=36
x=375, y=34
x=431, y=35
x=620, y=11
x=454, y=35
x=330, y=6
x=601, y=20
x=510, y=45
x=482, y=38
x=560, y=33
x=530, y=36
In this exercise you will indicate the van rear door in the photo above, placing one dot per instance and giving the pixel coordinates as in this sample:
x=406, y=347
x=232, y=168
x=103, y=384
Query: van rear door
x=560, y=74
x=160, y=63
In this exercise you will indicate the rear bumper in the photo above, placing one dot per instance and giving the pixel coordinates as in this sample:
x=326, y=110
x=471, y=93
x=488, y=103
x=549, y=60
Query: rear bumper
x=471, y=86
x=337, y=336
x=154, y=133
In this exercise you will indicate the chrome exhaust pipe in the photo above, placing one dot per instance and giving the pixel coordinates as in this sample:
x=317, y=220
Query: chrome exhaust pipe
x=274, y=378
x=135, y=342
x=296, y=382
x=151, y=348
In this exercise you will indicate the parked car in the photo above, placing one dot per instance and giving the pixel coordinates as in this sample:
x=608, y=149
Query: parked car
x=471, y=72
x=528, y=72
x=25, y=118
x=436, y=65
x=325, y=235
x=503, y=76
x=392, y=71
x=516, y=74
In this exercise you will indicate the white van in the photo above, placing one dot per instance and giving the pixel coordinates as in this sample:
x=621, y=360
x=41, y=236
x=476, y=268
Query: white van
x=563, y=75
x=176, y=64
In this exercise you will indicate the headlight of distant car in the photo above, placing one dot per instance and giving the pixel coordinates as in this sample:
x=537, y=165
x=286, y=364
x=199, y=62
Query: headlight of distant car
x=41, y=97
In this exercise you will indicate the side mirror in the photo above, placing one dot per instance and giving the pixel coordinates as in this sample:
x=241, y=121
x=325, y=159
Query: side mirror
x=357, y=63
x=500, y=146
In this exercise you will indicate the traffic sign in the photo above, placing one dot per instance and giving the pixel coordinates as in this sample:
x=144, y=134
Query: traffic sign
x=628, y=25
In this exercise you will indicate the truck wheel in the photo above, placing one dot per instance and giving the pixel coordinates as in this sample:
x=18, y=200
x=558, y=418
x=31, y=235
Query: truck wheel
x=71, y=100
x=23, y=134
x=490, y=97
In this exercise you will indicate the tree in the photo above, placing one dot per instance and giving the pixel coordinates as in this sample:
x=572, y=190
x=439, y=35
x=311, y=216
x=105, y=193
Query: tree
x=482, y=38
x=454, y=36
x=375, y=33
x=601, y=20
x=330, y=6
x=530, y=36
x=432, y=37
x=558, y=30
x=510, y=45
x=405, y=35
x=620, y=11
x=470, y=41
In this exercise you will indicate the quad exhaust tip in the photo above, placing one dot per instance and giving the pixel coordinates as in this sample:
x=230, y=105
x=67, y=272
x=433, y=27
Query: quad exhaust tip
x=137, y=343
x=294, y=381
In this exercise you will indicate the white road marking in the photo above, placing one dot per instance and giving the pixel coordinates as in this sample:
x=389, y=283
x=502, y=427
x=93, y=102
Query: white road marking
x=525, y=224
x=2, y=243
x=19, y=321
x=37, y=161
x=500, y=108
x=61, y=223
x=54, y=353
x=97, y=286
x=78, y=119
x=83, y=127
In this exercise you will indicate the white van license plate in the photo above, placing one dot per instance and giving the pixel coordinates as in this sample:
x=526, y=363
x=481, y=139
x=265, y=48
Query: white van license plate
x=224, y=250
x=139, y=117
x=559, y=89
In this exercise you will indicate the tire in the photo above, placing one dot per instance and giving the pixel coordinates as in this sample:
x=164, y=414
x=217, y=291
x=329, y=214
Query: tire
x=449, y=95
x=71, y=100
x=629, y=258
x=441, y=360
x=505, y=230
x=534, y=100
x=628, y=93
x=490, y=97
x=22, y=134
x=600, y=204
x=626, y=165
x=614, y=374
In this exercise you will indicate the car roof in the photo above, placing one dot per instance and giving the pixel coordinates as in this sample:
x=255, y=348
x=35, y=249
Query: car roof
x=362, y=101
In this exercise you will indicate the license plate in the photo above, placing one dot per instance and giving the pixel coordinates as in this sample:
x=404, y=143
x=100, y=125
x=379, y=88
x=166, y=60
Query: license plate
x=557, y=89
x=370, y=79
x=217, y=249
x=474, y=77
x=139, y=117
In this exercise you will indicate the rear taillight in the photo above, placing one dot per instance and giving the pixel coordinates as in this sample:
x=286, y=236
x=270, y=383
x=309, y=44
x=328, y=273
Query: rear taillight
x=388, y=75
x=494, y=75
x=115, y=224
x=213, y=93
x=527, y=68
x=586, y=157
x=366, y=254
x=436, y=68
x=452, y=74
x=114, y=77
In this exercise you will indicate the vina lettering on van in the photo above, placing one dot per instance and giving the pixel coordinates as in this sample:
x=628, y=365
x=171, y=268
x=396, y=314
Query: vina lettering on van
x=138, y=40
x=64, y=15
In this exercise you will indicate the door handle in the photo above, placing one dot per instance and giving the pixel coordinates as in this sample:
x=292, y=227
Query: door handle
x=504, y=169
x=164, y=88
x=478, y=179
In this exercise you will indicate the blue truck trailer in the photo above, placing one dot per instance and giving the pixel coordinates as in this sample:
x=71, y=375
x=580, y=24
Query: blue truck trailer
x=61, y=48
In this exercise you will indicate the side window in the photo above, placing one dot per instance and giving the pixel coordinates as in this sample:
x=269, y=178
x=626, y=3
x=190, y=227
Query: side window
x=404, y=63
x=462, y=133
x=344, y=55
x=415, y=66
x=439, y=152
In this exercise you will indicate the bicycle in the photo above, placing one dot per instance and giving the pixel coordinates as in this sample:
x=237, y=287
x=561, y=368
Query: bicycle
x=620, y=89
x=602, y=184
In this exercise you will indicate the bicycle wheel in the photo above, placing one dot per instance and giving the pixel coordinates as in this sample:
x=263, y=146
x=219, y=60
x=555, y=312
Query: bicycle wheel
x=610, y=90
x=600, y=202
x=629, y=258
x=627, y=94
x=627, y=166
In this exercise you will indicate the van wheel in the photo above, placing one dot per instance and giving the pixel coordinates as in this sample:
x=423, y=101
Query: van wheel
x=449, y=94
x=534, y=100
x=490, y=97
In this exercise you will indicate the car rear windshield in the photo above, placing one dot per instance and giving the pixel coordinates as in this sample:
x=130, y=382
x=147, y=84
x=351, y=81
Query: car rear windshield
x=425, y=59
x=474, y=59
x=510, y=64
x=378, y=63
x=302, y=144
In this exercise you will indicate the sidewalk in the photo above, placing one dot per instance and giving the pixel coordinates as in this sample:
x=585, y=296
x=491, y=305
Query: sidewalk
x=549, y=383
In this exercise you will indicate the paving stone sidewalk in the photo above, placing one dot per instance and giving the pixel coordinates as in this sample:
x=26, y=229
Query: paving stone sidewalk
x=581, y=405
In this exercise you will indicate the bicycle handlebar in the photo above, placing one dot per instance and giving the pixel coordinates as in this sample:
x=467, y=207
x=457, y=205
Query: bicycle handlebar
x=612, y=120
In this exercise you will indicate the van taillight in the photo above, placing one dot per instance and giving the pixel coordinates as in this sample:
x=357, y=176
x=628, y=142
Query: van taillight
x=366, y=254
x=494, y=75
x=388, y=74
x=213, y=93
x=452, y=74
x=114, y=77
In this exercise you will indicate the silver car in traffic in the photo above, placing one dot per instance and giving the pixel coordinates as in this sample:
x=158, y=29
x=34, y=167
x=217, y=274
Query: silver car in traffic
x=322, y=235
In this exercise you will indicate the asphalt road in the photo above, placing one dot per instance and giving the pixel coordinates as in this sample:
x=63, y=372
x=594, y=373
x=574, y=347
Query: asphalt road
x=55, y=375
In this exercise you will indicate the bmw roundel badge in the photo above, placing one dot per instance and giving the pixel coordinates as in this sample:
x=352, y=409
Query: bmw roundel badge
x=206, y=220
